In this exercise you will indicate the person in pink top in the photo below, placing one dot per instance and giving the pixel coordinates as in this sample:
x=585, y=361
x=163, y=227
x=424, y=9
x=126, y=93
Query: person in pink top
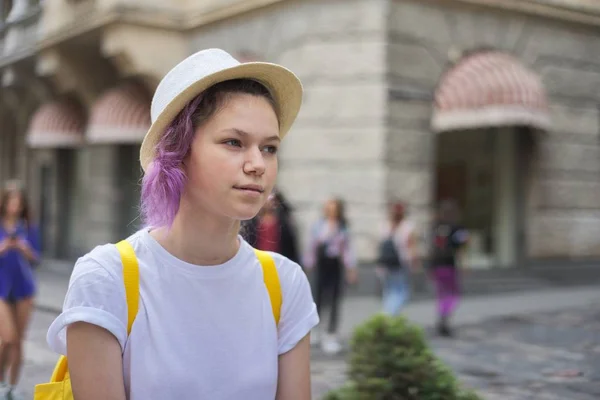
x=331, y=254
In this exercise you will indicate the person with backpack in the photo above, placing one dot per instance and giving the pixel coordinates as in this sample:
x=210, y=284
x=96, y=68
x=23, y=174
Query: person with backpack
x=185, y=308
x=449, y=238
x=397, y=257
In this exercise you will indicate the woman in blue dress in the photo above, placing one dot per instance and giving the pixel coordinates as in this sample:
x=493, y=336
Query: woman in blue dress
x=19, y=249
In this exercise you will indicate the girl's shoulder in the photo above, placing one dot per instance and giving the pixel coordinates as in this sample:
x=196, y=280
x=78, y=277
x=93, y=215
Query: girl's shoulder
x=103, y=262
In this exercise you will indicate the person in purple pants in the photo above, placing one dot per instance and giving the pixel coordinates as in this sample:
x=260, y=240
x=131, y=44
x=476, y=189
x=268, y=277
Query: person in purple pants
x=19, y=249
x=448, y=239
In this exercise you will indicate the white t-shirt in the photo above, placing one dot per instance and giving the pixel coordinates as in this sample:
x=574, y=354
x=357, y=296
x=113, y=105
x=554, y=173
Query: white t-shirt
x=201, y=332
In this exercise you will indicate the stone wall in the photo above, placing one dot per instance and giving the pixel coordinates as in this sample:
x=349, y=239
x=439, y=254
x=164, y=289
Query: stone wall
x=337, y=48
x=564, y=211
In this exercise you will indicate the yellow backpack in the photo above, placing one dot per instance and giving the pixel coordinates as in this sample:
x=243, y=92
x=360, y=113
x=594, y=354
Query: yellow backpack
x=59, y=387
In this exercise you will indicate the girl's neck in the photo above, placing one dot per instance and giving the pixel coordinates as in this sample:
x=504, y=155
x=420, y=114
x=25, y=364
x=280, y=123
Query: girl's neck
x=200, y=238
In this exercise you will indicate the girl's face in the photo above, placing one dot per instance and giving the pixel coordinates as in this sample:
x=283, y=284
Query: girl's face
x=14, y=204
x=331, y=209
x=232, y=163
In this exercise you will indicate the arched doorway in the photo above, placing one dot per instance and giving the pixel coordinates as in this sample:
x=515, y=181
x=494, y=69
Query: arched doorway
x=488, y=109
x=119, y=119
x=55, y=133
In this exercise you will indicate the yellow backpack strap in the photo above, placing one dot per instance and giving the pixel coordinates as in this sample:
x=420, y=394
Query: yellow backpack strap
x=271, y=279
x=131, y=278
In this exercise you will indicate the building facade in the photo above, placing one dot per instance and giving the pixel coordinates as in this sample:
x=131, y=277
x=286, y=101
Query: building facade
x=491, y=103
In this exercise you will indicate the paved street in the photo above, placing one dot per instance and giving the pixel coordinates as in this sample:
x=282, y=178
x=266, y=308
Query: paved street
x=545, y=356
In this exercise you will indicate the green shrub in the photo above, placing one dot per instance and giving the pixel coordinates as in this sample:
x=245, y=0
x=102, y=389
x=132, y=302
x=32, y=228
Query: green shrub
x=391, y=360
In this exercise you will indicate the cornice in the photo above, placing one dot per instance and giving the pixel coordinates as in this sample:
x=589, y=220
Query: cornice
x=579, y=11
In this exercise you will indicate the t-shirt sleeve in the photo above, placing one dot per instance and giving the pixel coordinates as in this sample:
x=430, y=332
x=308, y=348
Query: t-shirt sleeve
x=96, y=295
x=298, y=310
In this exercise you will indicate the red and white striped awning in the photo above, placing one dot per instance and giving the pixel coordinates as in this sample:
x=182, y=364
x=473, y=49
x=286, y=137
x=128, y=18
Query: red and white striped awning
x=56, y=124
x=120, y=115
x=489, y=88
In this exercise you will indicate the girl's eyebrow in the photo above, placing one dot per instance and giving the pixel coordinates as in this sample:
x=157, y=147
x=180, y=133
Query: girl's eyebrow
x=241, y=132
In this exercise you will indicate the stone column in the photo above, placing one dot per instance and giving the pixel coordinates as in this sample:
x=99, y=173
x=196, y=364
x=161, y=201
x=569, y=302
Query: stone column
x=505, y=213
x=102, y=195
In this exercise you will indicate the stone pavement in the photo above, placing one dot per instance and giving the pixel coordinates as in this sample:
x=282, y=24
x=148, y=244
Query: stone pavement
x=542, y=355
x=512, y=346
x=547, y=355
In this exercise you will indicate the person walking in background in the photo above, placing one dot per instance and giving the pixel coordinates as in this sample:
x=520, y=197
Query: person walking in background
x=397, y=258
x=331, y=254
x=274, y=229
x=448, y=240
x=19, y=249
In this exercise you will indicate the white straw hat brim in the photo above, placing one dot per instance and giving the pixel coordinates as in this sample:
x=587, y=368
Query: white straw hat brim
x=283, y=84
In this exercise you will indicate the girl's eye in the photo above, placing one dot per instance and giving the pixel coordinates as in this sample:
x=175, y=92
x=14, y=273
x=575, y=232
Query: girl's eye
x=233, y=142
x=270, y=149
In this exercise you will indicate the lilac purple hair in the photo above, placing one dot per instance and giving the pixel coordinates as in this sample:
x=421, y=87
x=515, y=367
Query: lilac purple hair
x=165, y=179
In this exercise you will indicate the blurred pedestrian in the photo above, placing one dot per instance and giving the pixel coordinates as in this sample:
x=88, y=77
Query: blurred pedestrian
x=331, y=254
x=273, y=229
x=449, y=238
x=19, y=249
x=397, y=258
x=207, y=326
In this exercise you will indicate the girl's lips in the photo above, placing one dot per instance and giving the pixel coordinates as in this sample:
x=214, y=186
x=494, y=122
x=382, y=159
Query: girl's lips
x=252, y=188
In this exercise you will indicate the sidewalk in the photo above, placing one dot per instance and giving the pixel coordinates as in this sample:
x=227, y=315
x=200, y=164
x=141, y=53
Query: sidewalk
x=473, y=309
x=52, y=284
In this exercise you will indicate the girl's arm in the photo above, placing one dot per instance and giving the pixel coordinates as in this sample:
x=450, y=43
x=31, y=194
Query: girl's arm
x=95, y=363
x=294, y=372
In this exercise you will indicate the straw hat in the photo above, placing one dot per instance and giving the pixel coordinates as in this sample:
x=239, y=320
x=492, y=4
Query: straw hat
x=202, y=70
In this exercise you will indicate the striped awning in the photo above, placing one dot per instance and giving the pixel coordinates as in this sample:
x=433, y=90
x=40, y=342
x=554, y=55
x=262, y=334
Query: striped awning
x=120, y=115
x=486, y=89
x=56, y=124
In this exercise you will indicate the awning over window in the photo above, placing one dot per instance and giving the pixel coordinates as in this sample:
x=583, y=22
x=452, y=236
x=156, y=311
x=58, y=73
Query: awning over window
x=120, y=115
x=56, y=124
x=489, y=88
